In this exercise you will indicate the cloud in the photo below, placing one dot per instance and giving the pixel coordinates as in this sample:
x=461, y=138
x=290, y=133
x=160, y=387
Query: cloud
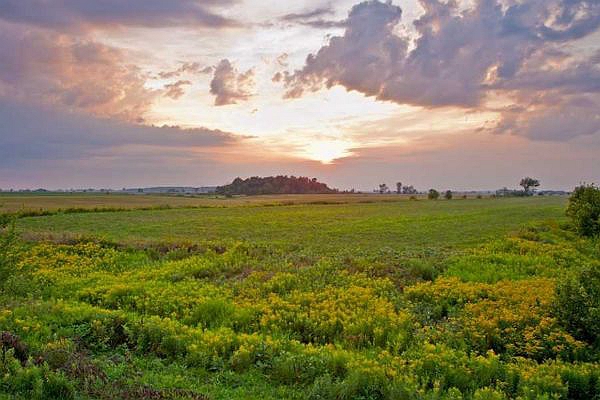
x=32, y=132
x=230, y=86
x=175, y=90
x=461, y=57
x=282, y=59
x=560, y=120
x=314, y=18
x=357, y=60
x=75, y=73
x=319, y=12
x=82, y=14
x=193, y=68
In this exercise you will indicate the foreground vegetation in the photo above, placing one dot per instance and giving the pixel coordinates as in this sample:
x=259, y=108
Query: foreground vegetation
x=475, y=299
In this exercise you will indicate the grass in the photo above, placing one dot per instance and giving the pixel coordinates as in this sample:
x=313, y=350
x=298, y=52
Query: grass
x=315, y=298
x=54, y=202
x=354, y=227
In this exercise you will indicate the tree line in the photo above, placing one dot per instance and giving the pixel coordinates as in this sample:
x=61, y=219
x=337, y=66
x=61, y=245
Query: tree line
x=281, y=184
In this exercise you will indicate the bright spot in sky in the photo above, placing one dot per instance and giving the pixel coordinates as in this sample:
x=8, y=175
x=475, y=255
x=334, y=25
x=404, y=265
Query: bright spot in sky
x=326, y=151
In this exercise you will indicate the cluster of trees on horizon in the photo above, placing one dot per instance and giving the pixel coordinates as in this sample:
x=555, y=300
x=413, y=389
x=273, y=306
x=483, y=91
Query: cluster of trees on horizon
x=528, y=184
x=281, y=184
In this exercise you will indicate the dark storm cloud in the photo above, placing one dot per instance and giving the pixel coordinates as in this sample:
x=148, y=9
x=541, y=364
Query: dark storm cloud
x=67, y=14
x=461, y=56
x=229, y=85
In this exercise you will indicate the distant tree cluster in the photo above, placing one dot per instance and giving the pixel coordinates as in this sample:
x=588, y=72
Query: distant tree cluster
x=275, y=185
x=405, y=189
x=528, y=184
x=433, y=194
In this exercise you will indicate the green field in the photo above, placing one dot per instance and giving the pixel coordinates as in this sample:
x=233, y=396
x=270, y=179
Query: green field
x=32, y=202
x=355, y=227
x=293, y=297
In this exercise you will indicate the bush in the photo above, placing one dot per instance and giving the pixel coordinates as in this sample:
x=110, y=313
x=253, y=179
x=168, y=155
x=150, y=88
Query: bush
x=448, y=195
x=58, y=386
x=211, y=314
x=578, y=304
x=433, y=194
x=584, y=210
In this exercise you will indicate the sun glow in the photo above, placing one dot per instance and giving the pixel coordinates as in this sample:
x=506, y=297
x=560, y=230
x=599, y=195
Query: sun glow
x=326, y=151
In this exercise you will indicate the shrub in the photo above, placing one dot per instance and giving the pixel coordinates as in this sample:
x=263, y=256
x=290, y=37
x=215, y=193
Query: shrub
x=298, y=368
x=211, y=314
x=58, y=386
x=584, y=210
x=10, y=341
x=448, y=195
x=578, y=304
x=433, y=194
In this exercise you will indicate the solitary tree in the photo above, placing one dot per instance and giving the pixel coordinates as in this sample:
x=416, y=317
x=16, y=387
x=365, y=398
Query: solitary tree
x=433, y=194
x=399, y=187
x=529, y=184
x=448, y=195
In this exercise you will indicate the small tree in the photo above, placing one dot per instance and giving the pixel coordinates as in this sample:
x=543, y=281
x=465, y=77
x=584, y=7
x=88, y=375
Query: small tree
x=448, y=195
x=529, y=185
x=584, y=210
x=399, y=187
x=433, y=194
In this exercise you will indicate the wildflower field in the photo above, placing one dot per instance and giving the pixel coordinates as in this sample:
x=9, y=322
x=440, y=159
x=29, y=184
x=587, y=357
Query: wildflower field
x=310, y=299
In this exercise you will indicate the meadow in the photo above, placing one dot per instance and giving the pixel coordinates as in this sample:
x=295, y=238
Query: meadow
x=48, y=203
x=347, y=297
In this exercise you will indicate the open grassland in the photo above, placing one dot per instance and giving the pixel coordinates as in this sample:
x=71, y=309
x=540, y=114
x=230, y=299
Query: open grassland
x=404, y=300
x=321, y=228
x=73, y=202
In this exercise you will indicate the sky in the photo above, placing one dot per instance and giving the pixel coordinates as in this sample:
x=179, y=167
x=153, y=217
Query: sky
x=453, y=94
